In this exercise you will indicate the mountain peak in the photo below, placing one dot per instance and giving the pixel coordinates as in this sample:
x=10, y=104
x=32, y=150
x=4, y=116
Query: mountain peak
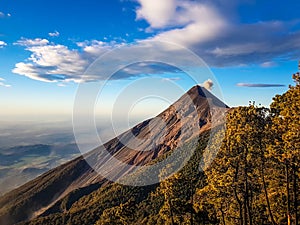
x=199, y=94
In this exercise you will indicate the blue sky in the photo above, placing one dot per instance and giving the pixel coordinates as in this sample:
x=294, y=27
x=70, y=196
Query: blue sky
x=46, y=47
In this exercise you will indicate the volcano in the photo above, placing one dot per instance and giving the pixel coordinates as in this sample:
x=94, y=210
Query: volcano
x=196, y=112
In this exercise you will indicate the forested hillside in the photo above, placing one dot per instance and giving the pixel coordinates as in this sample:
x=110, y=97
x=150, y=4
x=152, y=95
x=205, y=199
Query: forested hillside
x=253, y=180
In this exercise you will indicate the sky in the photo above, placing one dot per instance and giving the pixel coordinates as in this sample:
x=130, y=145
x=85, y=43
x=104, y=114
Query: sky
x=249, y=48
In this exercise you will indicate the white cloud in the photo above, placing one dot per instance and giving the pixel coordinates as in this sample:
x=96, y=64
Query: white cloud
x=193, y=22
x=50, y=62
x=29, y=70
x=208, y=84
x=158, y=13
x=54, y=34
x=2, y=44
x=194, y=33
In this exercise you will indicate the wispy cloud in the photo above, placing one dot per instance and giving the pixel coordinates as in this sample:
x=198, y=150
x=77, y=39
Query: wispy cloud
x=3, y=15
x=54, y=34
x=259, y=85
x=5, y=85
x=32, y=42
x=2, y=84
x=61, y=85
x=2, y=44
x=268, y=64
x=171, y=79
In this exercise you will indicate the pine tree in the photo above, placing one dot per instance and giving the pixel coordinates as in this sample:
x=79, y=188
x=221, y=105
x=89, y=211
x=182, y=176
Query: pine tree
x=286, y=147
x=175, y=207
